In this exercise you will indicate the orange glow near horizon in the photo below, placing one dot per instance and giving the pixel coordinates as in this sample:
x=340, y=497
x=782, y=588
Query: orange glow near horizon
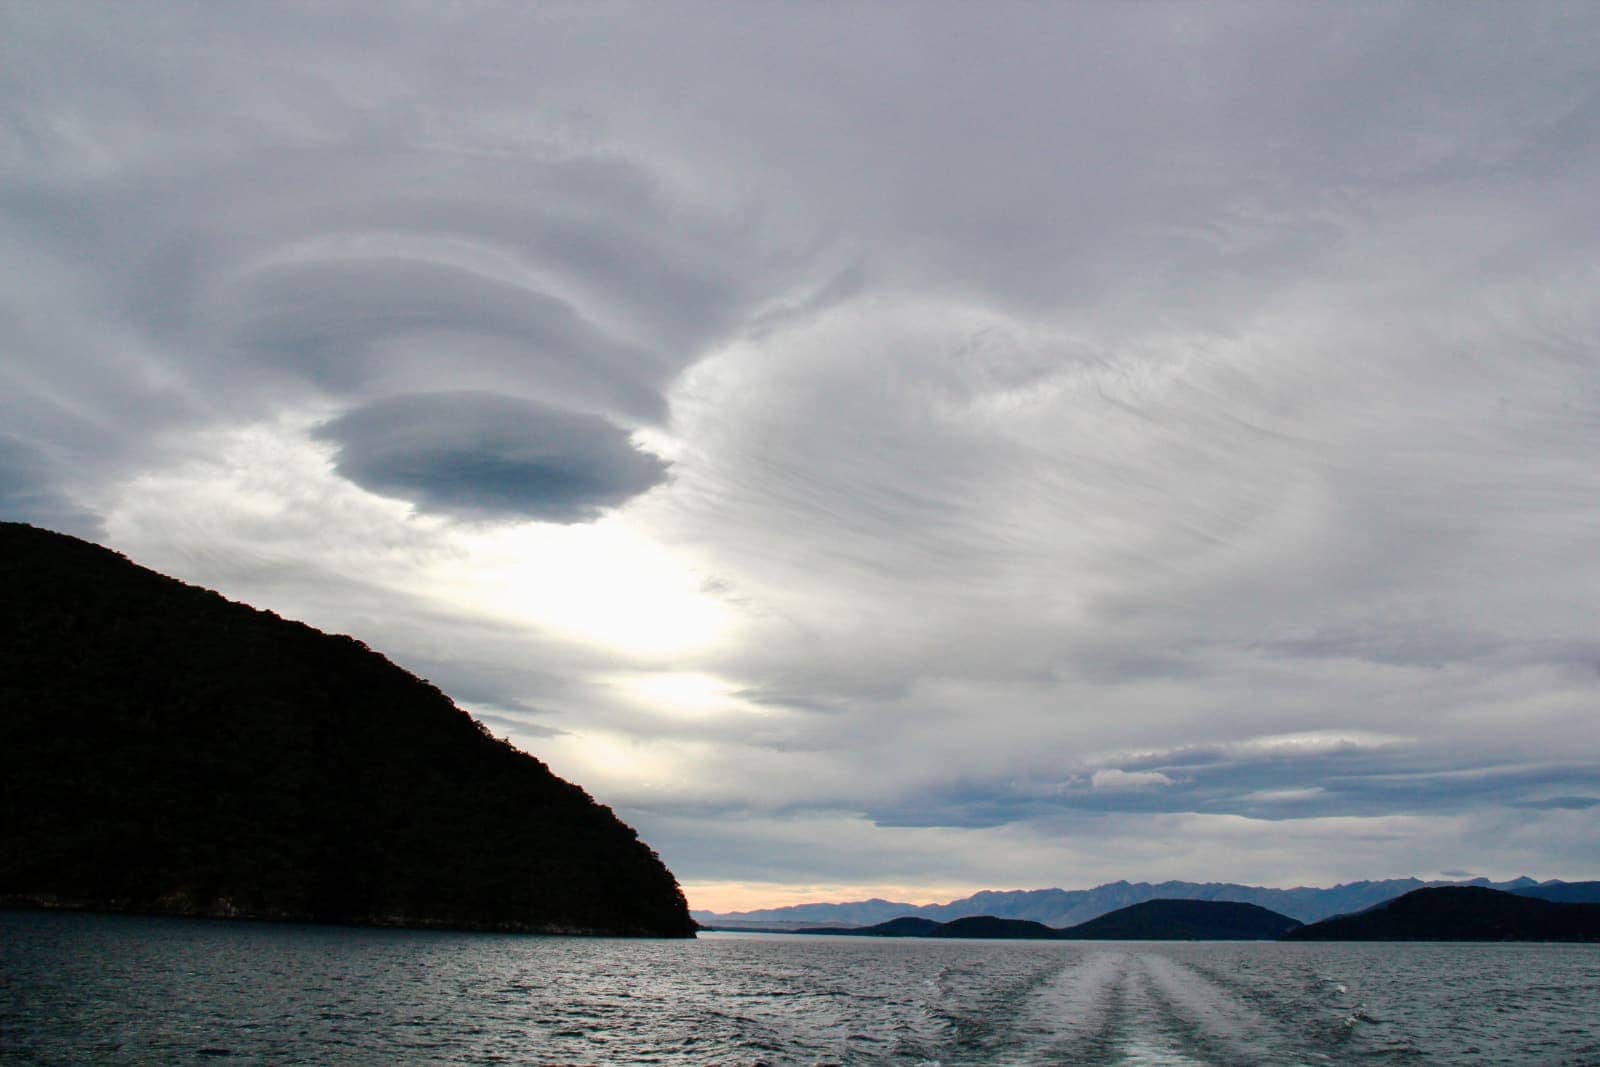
x=724, y=897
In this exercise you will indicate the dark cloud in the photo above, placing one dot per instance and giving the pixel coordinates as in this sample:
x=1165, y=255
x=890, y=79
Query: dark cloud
x=486, y=456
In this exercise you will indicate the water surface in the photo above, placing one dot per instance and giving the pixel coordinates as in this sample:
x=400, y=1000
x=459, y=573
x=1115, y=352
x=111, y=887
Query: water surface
x=120, y=989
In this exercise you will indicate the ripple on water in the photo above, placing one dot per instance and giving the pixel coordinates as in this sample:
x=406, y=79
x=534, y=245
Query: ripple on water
x=122, y=990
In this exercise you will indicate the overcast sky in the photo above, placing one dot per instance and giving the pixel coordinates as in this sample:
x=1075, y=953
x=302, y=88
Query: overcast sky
x=878, y=449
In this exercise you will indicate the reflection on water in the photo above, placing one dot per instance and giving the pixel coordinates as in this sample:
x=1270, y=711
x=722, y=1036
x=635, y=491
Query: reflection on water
x=116, y=989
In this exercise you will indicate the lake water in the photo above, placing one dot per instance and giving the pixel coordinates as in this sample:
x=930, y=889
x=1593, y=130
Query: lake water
x=118, y=989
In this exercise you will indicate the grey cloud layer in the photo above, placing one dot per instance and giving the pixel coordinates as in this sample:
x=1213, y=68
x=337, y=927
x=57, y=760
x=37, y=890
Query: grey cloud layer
x=1063, y=400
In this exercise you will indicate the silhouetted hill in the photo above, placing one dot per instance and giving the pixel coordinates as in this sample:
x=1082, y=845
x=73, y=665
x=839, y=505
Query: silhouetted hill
x=988, y=926
x=163, y=749
x=1153, y=920
x=972, y=926
x=906, y=926
x=1461, y=913
x=1185, y=920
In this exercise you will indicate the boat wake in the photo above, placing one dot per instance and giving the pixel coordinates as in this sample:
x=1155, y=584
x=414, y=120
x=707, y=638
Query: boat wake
x=1143, y=1008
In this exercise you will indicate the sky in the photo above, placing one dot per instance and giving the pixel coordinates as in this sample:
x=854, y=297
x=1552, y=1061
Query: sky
x=879, y=449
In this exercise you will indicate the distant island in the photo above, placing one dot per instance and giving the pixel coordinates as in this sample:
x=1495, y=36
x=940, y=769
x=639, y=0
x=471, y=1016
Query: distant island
x=1185, y=920
x=1461, y=913
x=1151, y=920
x=164, y=750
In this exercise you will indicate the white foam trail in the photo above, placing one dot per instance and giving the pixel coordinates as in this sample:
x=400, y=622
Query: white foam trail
x=1074, y=1005
x=1099, y=1011
x=1195, y=1005
x=1142, y=1008
x=1140, y=1052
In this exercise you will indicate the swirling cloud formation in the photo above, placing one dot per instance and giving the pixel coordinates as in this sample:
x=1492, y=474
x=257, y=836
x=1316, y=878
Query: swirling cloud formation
x=939, y=446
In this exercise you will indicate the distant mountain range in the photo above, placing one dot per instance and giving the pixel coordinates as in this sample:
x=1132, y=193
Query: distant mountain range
x=1439, y=913
x=1070, y=907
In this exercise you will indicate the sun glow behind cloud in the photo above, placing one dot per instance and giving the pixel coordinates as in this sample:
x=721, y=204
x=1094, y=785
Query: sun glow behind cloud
x=271, y=484
x=681, y=694
x=606, y=584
